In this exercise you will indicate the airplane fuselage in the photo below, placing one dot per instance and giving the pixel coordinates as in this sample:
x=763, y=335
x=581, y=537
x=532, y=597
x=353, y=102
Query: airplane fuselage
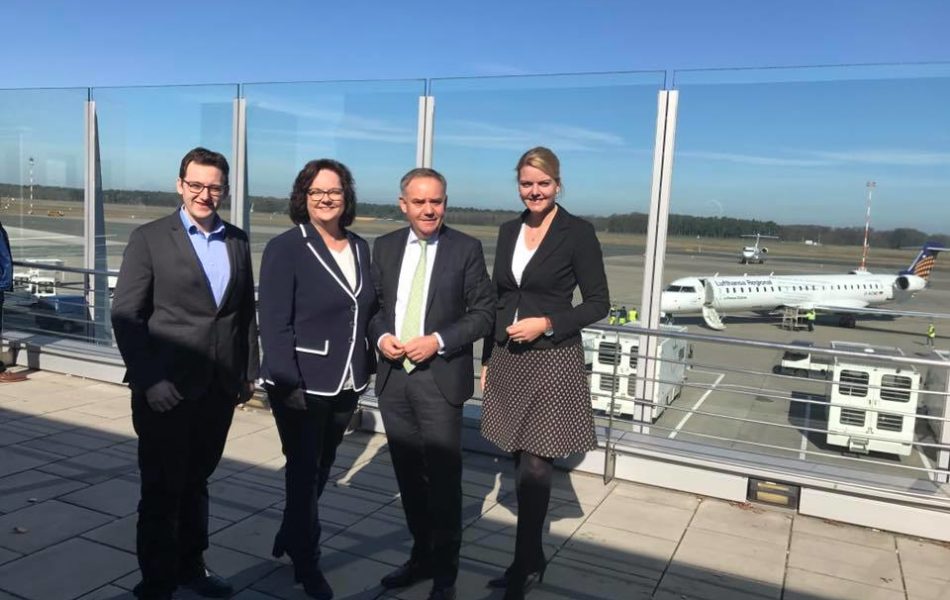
x=742, y=292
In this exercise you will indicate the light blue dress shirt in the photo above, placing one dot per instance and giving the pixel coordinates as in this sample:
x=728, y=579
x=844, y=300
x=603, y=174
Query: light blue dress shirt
x=212, y=251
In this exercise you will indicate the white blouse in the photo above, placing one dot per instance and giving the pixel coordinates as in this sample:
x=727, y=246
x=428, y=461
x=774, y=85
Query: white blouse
x=519, y=260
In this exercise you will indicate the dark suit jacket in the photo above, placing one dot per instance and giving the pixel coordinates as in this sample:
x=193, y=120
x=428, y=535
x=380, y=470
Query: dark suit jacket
x=569, y=256
x=166, y=322
x=312, y=323
x=459, y=306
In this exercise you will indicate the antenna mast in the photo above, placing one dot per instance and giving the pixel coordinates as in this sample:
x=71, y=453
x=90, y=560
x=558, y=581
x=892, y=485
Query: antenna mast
x=867, y=225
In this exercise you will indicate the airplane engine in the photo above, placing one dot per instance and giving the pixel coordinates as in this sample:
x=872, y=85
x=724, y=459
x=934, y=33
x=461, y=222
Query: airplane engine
x=910, y=283
x=764, y=250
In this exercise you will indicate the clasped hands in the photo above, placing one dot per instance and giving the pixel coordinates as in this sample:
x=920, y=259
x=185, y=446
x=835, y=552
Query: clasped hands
x=527, y=330
x=418, y=349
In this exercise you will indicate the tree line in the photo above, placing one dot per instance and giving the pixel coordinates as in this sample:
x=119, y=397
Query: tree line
x=634, y=222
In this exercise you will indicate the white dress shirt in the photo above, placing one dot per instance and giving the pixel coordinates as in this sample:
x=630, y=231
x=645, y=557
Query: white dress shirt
x=519, y=260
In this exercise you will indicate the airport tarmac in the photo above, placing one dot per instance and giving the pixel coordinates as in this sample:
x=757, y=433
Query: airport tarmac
x=731, y=400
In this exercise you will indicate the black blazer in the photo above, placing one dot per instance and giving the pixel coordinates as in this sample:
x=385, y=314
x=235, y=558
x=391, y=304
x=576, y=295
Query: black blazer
x=569, y=256
x=458, y=306
x=313, y=324
x=166, y=322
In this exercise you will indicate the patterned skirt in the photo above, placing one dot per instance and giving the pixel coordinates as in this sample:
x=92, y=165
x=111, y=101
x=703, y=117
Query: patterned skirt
x=538, y=400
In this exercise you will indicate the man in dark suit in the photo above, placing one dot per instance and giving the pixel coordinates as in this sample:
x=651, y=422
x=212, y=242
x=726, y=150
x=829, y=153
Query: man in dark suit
x=435, y=299
x=183, y=316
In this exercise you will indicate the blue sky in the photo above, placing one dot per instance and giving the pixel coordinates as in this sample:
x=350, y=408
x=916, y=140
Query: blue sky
x=750, y=143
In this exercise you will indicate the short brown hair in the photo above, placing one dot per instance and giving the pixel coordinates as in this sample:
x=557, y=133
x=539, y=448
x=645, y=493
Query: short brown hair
x=208, y=158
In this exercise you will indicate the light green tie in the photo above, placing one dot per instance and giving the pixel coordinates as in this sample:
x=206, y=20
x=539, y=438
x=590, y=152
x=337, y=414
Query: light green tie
x=412, y=320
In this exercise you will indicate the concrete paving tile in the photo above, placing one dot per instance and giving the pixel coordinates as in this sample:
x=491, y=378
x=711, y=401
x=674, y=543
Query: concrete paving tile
x=371, y=476
x=8, y=555
x=119, y=496
x=581, y=488
x=637, y=516
x=234, y=501
x=253, y=535
x=752, y=522
x=382, y=537
x=843, y=532
x=46, y=523
x=253, y=448
x=92, y=467
x=108, y=592
x=350, y=576
x=14, y=459
x=657, y=495
x=567, y=580
x=756, y=561
x=687, y=584
x=43, y=425
x=11, y=434
x=345, y=505
x=808, y=585
x=29, y=487
x=65, y=571
x=250, y=594
x=920, y=559
x=267, y=474
x=119, y=534
x=240, y=569
x=844, y=560
x=620, y=551
x=926, y=588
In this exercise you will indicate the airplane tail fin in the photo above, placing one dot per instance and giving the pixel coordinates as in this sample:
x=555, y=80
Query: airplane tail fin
x=924, y=263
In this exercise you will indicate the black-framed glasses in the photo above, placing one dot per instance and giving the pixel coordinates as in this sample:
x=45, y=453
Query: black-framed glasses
x=215, y=191
x=334, y=196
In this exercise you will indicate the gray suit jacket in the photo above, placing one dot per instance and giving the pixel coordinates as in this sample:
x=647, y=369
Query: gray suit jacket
x=165, y=319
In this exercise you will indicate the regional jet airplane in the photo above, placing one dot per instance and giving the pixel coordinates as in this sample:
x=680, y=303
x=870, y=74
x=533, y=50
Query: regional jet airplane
x=845, y=294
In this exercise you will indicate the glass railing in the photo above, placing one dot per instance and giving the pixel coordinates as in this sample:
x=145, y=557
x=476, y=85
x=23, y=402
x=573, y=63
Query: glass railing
x=42, y=173
x=803, y=158
x=143, y=133
x=370, y=126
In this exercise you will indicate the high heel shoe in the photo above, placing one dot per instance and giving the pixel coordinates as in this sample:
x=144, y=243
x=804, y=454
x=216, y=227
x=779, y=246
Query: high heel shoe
x=314, y=583
x=528, y=578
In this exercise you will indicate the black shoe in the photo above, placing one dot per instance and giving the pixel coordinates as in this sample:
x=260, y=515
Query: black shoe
x=316, y=585
x=440, y=592
x=209, y=585
x=502, y=582
x=407, y=575
x=140, y=592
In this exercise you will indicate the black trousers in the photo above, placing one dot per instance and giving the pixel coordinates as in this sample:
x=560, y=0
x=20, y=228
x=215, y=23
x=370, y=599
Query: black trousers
x=425, y=440
x=178, y=450
x=309, y=439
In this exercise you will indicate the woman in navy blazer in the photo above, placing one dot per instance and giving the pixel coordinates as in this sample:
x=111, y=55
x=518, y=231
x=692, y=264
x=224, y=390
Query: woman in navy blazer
x=316, y=298
x=536, y=401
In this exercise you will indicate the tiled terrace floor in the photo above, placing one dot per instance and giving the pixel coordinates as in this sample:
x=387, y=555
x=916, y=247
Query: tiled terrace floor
x=68, y=492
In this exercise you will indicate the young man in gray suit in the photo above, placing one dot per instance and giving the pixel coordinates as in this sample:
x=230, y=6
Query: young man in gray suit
x=183, y=316
x=435, y=299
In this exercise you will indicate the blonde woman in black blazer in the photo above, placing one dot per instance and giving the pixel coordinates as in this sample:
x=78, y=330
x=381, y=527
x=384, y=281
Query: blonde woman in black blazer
x=536, y=397
x=316, y=299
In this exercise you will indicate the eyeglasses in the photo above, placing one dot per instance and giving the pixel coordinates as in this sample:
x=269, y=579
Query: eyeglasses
x=316, y=194
x=214, y=191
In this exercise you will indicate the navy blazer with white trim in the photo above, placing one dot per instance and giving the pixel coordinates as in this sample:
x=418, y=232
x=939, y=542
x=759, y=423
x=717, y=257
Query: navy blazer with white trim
x=312, y=323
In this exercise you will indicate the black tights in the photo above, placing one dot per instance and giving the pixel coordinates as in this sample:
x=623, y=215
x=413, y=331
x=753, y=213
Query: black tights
x=533, y=485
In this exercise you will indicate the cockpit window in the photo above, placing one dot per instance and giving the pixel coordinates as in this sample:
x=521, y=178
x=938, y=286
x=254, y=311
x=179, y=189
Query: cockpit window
x=681, y=288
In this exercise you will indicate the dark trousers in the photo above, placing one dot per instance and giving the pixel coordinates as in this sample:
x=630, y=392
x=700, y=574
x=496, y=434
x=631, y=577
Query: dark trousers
x=309, y=439
x=178, y=450
x=425, y=441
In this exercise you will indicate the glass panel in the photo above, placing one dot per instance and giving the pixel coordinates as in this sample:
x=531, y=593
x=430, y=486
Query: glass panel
x=143, y=134
x=802, y=158
x=370, y=126
x=42, y=141
x=601, y=126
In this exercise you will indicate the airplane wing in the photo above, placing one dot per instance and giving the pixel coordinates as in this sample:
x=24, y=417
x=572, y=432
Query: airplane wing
x=882, y=311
